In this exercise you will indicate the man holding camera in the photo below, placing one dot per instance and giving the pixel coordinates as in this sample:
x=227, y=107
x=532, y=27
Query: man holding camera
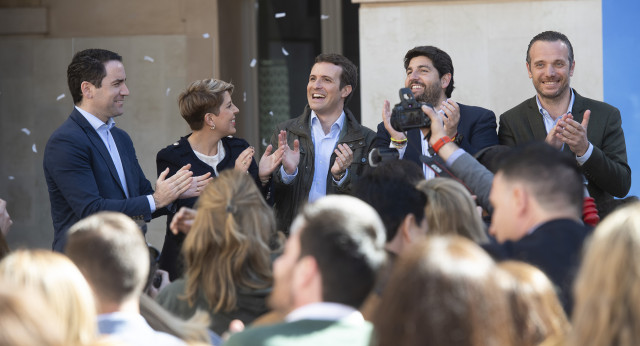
x=430, y=77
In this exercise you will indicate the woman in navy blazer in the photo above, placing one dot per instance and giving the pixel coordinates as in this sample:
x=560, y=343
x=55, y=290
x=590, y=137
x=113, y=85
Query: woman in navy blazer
x=207, y=107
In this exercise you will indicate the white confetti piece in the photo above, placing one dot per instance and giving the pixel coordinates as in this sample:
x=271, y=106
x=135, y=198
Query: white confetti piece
x=264, y=143
x=205, y=35
x=33, y=147
x=166, y=93
x=281, y=14
x=324, y=17
x=60, y=97
x=148, y=58
x=244, y=97
x=26, y=130
x=11, y=177
x=271, y=113
x=284, y=51
x=253, y=63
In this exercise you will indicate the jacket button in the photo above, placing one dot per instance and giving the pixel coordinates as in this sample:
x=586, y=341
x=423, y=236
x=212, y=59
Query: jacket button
x=364, y=160
x=350, y=145
x=360, y=143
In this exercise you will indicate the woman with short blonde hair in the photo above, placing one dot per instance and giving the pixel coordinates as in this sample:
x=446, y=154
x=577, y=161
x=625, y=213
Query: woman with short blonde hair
x=450, y=209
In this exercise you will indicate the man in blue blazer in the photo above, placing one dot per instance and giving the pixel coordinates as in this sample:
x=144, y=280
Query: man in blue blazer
x=89, y=164
x=429, y=75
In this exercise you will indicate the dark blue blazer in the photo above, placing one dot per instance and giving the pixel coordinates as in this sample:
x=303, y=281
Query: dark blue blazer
x=555, y=248
x=477, y=126
x=83, y=180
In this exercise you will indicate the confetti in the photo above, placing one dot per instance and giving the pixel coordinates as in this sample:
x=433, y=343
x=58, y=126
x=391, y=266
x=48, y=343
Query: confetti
x=205, y=35
x=60, y=97
x=11, y=177
x=264, y=143
x=166, y=93
x=324, y=17
x=148, y=58
x=26, y=130
x=281, y=14
x=253, y=63
x=284, y=51
x=33, y=147
x=271, y=113
x=244, y=97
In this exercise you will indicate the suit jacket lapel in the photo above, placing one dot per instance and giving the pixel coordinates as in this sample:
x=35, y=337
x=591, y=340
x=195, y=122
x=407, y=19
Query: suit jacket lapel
x=98, y=144
x=535, y=121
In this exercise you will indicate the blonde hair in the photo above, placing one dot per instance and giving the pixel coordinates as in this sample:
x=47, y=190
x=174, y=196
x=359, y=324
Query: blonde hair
x=451, y=209
x=536, y=309
x=607, y=288
x=227, y=247
x=61, y=284
x=202, y=97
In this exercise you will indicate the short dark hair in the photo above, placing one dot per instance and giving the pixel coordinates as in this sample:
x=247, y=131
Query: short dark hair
x=349, y=75
x=553, y=175
x=551, y=36
x=440, y=59
x=389, y=179
x=88, y=66
x=345, y=236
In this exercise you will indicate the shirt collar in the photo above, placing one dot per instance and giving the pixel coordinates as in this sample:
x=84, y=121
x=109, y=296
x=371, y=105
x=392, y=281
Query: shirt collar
x=338, y=124
x=544, y=111
x=325, y=311
x=94, y=121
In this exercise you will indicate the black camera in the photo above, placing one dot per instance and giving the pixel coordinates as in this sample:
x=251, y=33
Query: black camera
x=408, y=114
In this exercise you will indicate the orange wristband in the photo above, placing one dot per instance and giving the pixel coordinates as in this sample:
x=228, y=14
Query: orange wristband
x=442, y=141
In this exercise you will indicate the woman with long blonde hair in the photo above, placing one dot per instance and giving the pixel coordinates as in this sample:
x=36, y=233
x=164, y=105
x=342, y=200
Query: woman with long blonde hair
x=607, y=289
x=61, y=285
x=450, y=209
x=227, y=254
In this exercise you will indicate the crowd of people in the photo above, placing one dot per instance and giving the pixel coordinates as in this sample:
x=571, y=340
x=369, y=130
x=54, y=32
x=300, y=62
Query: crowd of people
x=459, y=233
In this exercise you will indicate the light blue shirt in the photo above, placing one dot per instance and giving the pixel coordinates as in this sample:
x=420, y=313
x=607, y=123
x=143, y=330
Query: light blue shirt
x=323, y=145
x=549, y=123
x=104, y=131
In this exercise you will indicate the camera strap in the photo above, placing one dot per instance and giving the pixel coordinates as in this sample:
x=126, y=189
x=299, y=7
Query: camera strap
x=439, y=167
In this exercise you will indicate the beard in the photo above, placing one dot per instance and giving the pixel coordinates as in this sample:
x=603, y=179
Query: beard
x=431, y=94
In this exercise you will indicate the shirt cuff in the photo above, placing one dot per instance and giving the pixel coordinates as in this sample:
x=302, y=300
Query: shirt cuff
x=152, y=203
x=286, y=178
x=456, y=154
x=582, y=159
x=346, y=172
x=400, y=150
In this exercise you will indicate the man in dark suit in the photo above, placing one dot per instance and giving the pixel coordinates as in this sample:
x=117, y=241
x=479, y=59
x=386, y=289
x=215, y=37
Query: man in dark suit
x=429, y=75
x=590, y=129
x=328, y=268
x=89, y=164
x=537, y=208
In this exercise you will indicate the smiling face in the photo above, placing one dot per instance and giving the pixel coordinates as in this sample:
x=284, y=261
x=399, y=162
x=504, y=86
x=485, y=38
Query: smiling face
x=324, y=95
x=107, y=101
x=424, y=81
x=225, y=121
x=550, y=69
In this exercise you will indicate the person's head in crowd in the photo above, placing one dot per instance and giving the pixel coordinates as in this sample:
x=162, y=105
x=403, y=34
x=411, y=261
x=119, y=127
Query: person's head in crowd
x=110, y=251
x=450, y=209
x=205, y=102
x=347, y=73
x=429, y=74
x=332, y=255
x=535, y=183
x=444, y=291
x=546, y=49
x=535, y=308
x=228, y=246
x=96, y=80
x=27, y=319
x=332, y=80
x=607, y=288
x=394, y=196
x=54, y=277
x=490, y=157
